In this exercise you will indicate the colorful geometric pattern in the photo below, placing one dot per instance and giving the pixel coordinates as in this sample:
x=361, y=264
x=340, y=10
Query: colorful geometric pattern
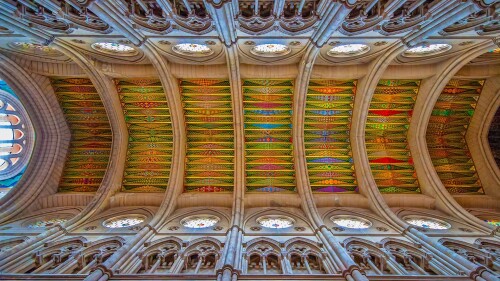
x=386, y=136
x=326, y=135
x=494, y=137
x=268, y=135
x=149, y=153
x=446, y=136
x=90, y=145
x=210, y=135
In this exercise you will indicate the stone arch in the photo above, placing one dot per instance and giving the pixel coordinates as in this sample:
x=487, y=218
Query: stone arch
x=263, y=255
x=161, y=256
x=369, y=257
x=304, y=256
x=202, y=256
x=11, y=242
x=469, y=251
x=94, y=253
x=409, y=257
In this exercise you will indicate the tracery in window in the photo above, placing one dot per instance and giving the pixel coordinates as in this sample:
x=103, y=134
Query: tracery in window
x=275, y=222
x=124, y=221
x=114, y=48
x=193, y=50
x=351, y=222
x=427, y=50
x=200, y=221
x=47, y=222
x=348, y=50
x=270, y=50
x=428, y=223
x=34, y=49
x=16, y=139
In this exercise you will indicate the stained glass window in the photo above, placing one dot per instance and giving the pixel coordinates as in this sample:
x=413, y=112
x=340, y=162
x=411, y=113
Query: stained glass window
x=494, y=137
x=209, y=121
x=35, y=49
x=268, y=135
x=149, y=154
x=90, y=145
x=45, y=223
x=114, y=48
x=123, y=221
x=326, y=135
x=200, y=221
x=351, y=222
x=270, y=50
x=16, y=139
x=190, y=49
x=275, y=222
x=446, y=136
x=428, y=223
x=387, y=125
x=493, y=222
x=427, y=50
x=348, y=50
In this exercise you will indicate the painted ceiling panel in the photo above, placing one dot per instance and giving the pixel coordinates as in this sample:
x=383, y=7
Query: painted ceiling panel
x=149, y=153
x=494, y=137
x=446, y=136
x=268, y=135
x=326, y=135
x=386, y=136
x=90, y=147
x=210, y=135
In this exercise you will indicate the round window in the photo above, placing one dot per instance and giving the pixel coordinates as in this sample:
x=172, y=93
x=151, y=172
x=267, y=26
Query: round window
x=428, y=223
x=276, y=221
x=351, y=222
x=200, y=221
x=124, y=221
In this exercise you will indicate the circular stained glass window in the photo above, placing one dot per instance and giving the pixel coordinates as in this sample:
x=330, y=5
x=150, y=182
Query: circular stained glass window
x=351, y=222
x=275, y=221
x=200, y=221
x=114, y=48
x=270, y=50
x=428, y=223
x=348, y=50
x=35, y=49
x=192, y=50
x=16, y=139
x=124, y=221
x=427, y=50
x=46, y=223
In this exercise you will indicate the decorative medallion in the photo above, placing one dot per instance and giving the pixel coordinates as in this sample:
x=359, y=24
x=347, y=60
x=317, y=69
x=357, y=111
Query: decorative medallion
x=200, y=221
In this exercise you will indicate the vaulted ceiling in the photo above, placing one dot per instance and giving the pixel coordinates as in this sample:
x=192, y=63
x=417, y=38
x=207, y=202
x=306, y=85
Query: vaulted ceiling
x=145, y=115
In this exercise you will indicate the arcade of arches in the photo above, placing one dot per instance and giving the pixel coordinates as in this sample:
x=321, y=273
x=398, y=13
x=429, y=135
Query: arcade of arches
x=250, y=140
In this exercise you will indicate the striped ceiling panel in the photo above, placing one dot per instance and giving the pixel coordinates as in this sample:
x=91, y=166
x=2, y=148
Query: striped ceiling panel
x=446, y=136
x=90, y=146
x=326, y=135
x=386, y=136
x=210, y=135
x=149, y=153
x=268, y=135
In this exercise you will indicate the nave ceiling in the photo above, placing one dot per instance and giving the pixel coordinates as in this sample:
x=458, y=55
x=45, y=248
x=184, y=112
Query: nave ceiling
x=248, y=114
